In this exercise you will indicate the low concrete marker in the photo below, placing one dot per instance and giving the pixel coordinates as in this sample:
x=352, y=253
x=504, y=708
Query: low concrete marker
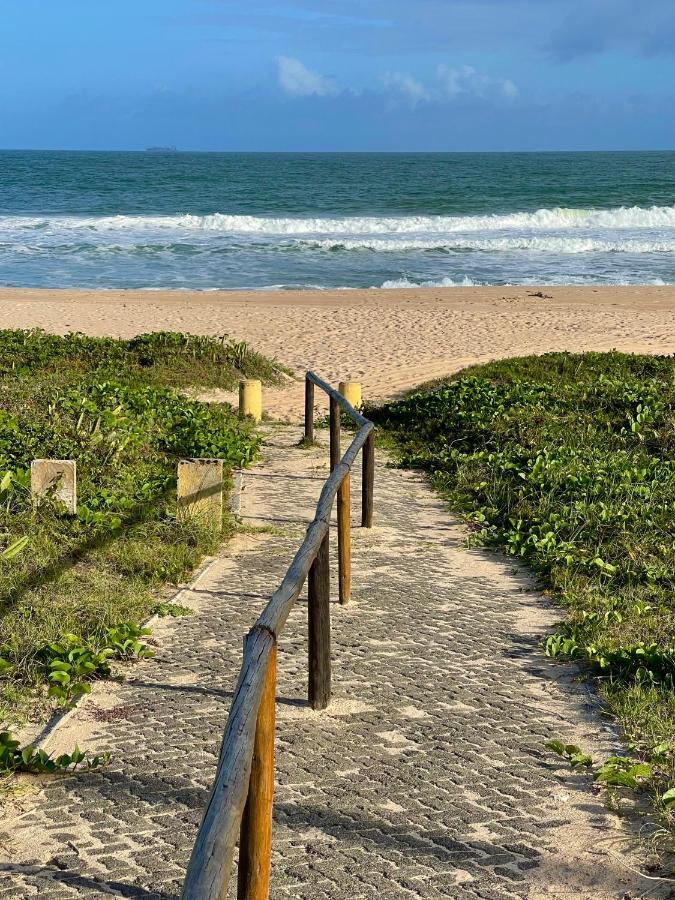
x=351, y=391
x=200, y=492
x=58, y=476
x=250, y=399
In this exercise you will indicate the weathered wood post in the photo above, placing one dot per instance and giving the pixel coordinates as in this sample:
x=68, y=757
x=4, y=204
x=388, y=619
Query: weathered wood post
x=309, y=411
x=367, y=481
x=250, y=399
x=334, y=433
x=318, y=605
x=200, y=492
x=255, y=836
x=351, y=391
x=344, y=541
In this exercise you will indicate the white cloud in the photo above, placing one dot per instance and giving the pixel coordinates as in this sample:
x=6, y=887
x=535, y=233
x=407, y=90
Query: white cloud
x=299, y=81
x=406, y=85
x=449, y=84
x=469, y=81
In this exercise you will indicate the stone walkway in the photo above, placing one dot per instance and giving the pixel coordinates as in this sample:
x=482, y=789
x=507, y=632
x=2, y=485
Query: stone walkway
x=426, y=778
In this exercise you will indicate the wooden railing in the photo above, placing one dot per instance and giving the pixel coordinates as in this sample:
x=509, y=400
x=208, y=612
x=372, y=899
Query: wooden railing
x=240, y=804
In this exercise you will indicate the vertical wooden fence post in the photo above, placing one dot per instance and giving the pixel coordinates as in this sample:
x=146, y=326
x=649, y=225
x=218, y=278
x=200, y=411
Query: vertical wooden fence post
x=367, y=481
x=309, y=411
x=318, y=605
x=351, y=391
x=344, y=540
x=334, y=433
x=255, y=841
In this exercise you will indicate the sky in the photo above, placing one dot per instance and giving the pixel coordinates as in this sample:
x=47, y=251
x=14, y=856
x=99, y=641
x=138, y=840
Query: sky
x=320, y=75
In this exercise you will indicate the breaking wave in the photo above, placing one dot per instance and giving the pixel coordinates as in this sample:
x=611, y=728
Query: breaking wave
x=560, y=218
x=541, y=244
x=548, y=246
x=394, y=283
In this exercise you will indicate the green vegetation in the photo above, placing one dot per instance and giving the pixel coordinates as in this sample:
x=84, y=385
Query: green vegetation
x=162, y=358
x=568, y=463
x=73, y=589
x=74, y=662
x=13, y=758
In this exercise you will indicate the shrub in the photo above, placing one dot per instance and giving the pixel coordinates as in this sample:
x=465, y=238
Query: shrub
x=567, y=462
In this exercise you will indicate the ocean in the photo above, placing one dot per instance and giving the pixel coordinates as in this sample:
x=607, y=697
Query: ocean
x=211, y=221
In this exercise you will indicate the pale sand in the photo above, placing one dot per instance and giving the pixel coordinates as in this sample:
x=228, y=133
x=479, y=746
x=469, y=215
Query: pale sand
x=389, y=340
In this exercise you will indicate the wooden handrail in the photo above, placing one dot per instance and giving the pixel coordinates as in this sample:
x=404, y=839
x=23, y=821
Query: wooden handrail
x=235, y=790
x=337, y=396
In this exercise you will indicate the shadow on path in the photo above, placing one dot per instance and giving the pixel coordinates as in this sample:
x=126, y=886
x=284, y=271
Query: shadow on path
x=45, y=874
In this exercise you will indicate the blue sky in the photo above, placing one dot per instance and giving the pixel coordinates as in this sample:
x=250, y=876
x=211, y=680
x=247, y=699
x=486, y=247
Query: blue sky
x=348, y=75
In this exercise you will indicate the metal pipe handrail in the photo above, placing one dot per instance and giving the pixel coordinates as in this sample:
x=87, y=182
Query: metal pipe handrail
x=240, y=801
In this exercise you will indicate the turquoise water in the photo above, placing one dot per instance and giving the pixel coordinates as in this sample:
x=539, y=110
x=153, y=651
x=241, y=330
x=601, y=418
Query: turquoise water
x=208, y=221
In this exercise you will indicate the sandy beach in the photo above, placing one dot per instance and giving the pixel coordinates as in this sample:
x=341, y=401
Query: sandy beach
x=391, y=340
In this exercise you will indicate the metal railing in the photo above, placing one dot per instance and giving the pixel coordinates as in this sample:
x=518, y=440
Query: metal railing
x=240, y=804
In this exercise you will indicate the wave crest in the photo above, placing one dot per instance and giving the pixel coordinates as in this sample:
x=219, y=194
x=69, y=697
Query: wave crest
x=560, y=218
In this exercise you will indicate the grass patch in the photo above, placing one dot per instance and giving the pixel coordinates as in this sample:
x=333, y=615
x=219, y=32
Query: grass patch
x=306, y=444
x=114, y=408
x=162, y=358
x=567, y=462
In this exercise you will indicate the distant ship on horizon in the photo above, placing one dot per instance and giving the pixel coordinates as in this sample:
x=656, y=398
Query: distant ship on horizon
x=162, y=150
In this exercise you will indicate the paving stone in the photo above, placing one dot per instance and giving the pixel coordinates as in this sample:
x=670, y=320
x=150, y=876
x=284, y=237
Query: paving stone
x=425, y=778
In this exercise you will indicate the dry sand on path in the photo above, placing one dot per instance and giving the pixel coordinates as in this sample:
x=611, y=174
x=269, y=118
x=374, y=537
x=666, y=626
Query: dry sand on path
x=391, y=340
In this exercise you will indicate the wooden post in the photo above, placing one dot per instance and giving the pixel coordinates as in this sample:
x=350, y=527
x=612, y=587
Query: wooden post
x=309, y=411
x=367, y=482
x=344, y=540
x=318, y=604
x=255, y=837
x=351, y=391
x=334, y=433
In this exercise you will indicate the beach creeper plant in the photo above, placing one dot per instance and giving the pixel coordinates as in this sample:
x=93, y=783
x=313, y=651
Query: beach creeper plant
x=67, y=582
x=650, y=774
x=567, y=462
x=14, y=758
x=75, y=662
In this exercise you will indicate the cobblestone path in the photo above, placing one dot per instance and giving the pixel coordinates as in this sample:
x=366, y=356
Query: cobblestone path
x=426, y=778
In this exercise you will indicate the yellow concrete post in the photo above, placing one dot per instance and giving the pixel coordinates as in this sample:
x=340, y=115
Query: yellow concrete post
x=351, y=391
x=57, y=477
x=200, y=492
x=250, y=399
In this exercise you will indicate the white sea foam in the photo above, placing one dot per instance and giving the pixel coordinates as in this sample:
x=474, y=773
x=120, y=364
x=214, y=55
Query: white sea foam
x=469, y=282
x=540, y=244
x=542, y=219
x=548, y=246
x=655, y=217
x=441, y=282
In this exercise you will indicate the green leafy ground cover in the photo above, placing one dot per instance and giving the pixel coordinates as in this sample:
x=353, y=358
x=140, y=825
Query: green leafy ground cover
x=567, y=462
x=73, y=590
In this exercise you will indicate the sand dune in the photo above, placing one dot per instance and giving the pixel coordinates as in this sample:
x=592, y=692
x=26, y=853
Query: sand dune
x=389, y=340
